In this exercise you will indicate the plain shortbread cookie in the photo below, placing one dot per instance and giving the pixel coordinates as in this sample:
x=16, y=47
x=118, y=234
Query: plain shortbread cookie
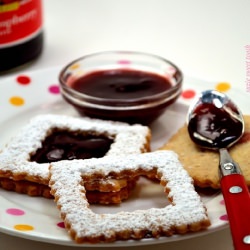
x=202, y=164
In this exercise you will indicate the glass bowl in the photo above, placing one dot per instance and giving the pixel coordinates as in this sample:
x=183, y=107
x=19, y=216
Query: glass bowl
x=127, y=86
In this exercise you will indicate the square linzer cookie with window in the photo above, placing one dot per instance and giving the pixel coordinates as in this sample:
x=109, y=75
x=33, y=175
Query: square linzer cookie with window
x=25, y=160
x=184, y=211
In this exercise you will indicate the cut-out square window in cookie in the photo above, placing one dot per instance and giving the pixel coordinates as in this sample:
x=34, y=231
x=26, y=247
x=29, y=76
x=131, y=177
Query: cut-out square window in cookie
x=48, y=138
x=185, y=213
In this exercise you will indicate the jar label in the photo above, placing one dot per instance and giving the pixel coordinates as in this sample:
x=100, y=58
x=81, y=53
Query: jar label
x=19, y=20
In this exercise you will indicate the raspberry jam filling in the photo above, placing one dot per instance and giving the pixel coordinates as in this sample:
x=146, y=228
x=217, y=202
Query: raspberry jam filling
x=121, y=84
x=65, y=145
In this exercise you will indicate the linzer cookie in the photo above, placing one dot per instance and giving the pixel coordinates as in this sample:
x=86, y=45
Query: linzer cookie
x=107, y=192
x=25, y=160
x=185, y=213
x=202, y=164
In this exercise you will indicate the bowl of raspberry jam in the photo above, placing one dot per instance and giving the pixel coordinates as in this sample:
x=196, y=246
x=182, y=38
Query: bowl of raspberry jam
x=128, y=86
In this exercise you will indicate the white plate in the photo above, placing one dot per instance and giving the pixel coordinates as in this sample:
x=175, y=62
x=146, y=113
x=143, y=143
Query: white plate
x=37, y=218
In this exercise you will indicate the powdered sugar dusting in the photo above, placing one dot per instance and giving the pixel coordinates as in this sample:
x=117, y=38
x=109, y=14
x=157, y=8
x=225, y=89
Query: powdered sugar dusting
x=15, y=157
x=186, y=210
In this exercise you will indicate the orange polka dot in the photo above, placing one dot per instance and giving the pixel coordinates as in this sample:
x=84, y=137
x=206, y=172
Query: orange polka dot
x=75, y=66
x=17, y=101
x=223, y=86
x=79, y=72
x=23, y=227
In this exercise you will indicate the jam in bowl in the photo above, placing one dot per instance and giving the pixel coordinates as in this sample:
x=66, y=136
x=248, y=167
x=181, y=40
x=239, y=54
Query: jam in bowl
x=125, y=86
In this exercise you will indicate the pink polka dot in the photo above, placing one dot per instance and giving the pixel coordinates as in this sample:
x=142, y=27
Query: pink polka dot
x=23, y=79
x=171, y=70
x=54, y=89
x=15, y=211
x=222, y=202
x=124, y=62
x=188, y=93
x=60, y=224
x=224, y=217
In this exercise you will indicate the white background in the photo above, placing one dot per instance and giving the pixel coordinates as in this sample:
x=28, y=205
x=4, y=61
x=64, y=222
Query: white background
x=206, y=39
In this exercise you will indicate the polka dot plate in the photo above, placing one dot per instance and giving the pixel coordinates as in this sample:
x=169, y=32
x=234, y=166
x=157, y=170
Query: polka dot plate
x=26, y=95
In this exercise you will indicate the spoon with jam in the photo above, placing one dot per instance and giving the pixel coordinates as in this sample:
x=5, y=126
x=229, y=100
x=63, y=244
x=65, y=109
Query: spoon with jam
x=215, y=122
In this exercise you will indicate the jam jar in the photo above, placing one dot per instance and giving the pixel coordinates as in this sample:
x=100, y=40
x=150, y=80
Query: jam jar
x=21, y=33
x=128, y=86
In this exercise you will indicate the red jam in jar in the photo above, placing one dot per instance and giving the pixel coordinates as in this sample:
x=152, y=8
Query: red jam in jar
x=21, y=34
x=127, y=86
x=123, y=95
x=121, y=84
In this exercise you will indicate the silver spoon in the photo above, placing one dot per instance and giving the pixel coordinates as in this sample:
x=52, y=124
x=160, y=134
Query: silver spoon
x=215, y=122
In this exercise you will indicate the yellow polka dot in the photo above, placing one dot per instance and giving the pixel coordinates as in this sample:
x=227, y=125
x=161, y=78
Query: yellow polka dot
x=17, y=101
x=223, y=86
x=75, y=66
x=23, y=227
x=79, y=72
